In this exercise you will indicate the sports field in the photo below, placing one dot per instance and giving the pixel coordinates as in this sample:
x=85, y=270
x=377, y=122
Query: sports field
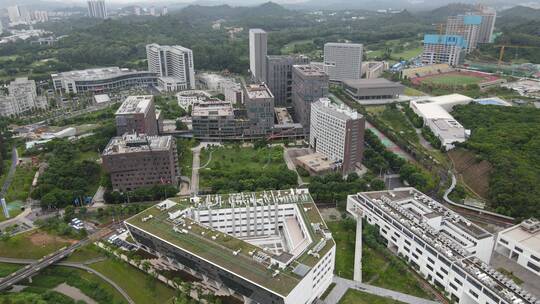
x=457, y=78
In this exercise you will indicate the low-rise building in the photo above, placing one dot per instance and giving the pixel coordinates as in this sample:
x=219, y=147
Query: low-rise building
x=435, y=113
x=378, y=90
x=373, y=69
x=102, y=80
x=521, y=243
x=22, y=98
x=136, y=160
x=137, y=114
x=186, y=99
x=338, y=133
x=216, y=119
x=445, y=248
x=265, y=247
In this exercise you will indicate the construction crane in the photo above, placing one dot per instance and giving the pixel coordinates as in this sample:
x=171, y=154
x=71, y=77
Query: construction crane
x=504, y=46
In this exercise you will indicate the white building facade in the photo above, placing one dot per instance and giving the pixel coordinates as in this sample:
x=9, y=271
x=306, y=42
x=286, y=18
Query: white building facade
x=172, y=63
x=258, y=40
x=22, y=98
x=521, y=243
x=446, y=249
x=97, y=9
x=343, y=61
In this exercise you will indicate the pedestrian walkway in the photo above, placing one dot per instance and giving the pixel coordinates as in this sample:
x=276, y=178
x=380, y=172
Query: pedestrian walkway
x=342, y=285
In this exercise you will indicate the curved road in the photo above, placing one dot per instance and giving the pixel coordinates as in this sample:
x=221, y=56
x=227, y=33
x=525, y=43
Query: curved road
x=75, y=265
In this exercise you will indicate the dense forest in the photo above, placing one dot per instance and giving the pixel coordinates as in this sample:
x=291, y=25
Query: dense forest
x=509, y=138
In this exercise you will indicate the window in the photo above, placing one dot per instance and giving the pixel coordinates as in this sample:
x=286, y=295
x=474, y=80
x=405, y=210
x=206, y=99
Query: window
x=474, y=294
x=518, y=249
x=504, y=241
x=533, y=267
x=535, y=258
x=458, y=281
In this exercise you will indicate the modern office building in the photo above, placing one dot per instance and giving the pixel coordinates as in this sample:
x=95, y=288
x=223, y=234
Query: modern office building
x=137, y=114
x=265, y=247
x=216, y=119
x=338, y=133
x=97, y=9
x=445, y=248
x=259, y=104
x=137, y=160
x=372, y=90
x=174, y=64
x=309, y=83
x=258, y=40
x=233, y=92
x=279, y=76
x=466, y=26
x=343, y=61
x=521, y=243
x=485, y=32
x=448, y=49
x=102, y=80
x=373, y=69
x=22, y=98
x=435, y=111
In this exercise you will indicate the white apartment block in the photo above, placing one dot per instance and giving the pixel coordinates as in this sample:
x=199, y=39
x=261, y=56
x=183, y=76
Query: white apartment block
x=343, y=61
x=187, y=98
x=485, y=32
x=449, y=251
x=97, y=9
x=521, y=243
x=447, y=49
x=338, y=133
x=258, y=40
x=174, y=64
x=22, y=98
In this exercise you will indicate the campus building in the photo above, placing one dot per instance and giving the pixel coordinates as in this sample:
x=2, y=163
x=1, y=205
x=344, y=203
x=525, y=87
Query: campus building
x=97, y=9
x=435, y=112
x=373, y=69
x=279, y=76
x=309, y=83
x=102, y=80
x=216, y=119
x=137, y=160
x=448, y=49
x=137, y=114
x=367, y=91
x=466, y=26
x=445, y=248
x=22, y=98
x=343, y=61
x=259, y=105
x=258, y=40
x=265, y=247
x=173, y=65
x=338, y=133
x=521, y=243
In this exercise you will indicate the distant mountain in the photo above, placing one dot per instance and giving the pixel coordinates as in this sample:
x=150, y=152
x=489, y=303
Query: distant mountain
x=520, y=12
x=193, y=12
x=442, y=13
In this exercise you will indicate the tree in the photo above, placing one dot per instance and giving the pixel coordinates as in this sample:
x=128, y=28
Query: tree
x=69, y=213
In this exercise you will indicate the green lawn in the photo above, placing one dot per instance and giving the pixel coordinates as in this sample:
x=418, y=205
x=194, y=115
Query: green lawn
x=85, y=253
x=141, y=288
x=7, y=268
x=22, y=181
x=90, y=284
x=452, y=80
x=31, y=245
x=289, y=47
x=358, y=297
x=185, y=155
x=395, y=119
x=379, y=266
x=413, y=92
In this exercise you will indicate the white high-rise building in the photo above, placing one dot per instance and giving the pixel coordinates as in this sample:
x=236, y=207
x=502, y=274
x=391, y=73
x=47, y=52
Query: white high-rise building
x=485, y=32
x=174, y=66
x=466, y=26
x=343, y=61
x=22, y=98
x=258, y=40
x=338, y=133
x=97, y=9
x=14, y=14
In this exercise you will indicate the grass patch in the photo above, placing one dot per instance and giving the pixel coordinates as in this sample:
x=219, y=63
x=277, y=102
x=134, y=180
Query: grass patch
x=344, y=249
x=141, y=287
x=395, y=119
x=7, y=269
x=185, y=155
x=22, y=181
x=85, y=253
x=452, y=80
x=90, y=284
x=413, y=92
x=358, y=297
x=511, y=275
x=31, y=245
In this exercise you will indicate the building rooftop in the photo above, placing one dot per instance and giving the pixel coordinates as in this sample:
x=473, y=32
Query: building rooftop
x=341, y=111
x=175, y=221
x=309, y=70
x=318, y=162
x=438, y=107
x=96, y=74
x=283, y=116
x=257, y=30
x=212, y=108
x=342, y=44
x=135, y=105
x=449, y=129
x=371, y=83
x=527, y=234
x=133, y=143
x=258, y=91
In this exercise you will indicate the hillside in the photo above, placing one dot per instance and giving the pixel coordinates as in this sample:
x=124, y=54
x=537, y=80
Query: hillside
x=442, y=13
x=509, y=139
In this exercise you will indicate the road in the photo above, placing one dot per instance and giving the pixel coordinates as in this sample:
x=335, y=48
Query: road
x=75, y=265
x=342, y=285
